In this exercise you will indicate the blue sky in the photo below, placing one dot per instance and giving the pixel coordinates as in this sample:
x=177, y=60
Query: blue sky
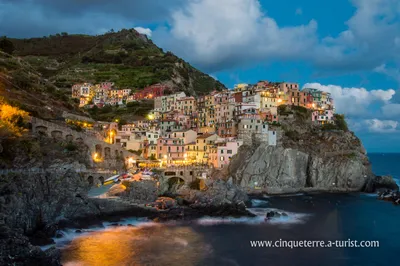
x=350, y=48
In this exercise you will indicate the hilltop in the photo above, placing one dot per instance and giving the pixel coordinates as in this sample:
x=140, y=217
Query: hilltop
x=127, y=58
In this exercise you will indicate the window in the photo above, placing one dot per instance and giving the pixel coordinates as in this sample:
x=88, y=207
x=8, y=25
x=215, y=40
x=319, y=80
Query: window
x=229, y=151
x=222, y=158
x=222, y=151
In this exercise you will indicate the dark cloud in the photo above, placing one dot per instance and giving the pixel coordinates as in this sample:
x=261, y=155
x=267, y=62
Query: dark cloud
x=26, y=18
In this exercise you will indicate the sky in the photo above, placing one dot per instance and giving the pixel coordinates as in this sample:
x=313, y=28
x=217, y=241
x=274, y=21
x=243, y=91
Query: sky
x=350, y=48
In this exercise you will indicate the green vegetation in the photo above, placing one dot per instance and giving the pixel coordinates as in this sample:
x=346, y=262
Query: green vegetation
x=292, y=134
x=130, y=112
x=284, y=110
x=126, y=58
x=6, y=45
x=340, y=124
x=71, y=146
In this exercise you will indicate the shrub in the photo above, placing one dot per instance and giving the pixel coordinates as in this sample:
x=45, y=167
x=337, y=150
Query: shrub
x=341, y=122
x=292, y=134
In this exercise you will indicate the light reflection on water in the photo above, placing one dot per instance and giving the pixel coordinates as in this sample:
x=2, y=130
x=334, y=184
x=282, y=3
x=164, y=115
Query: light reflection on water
x=158, y=245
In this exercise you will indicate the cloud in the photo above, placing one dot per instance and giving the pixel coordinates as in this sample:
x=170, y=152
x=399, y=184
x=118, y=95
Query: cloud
x=376, y=125
x=371, y=39
x=354, y=102
x=391, y=72
x=222, y=34
x=299, y=11
x=391, y=110
x=210, y=35
x=145, y=31
x=46, y=17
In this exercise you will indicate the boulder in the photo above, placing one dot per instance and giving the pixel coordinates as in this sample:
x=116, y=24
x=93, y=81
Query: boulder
x=163, y=203
x=380, y=183
x=141, y=191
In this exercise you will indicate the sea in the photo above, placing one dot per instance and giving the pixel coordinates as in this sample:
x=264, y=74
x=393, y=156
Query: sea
x=339, y=220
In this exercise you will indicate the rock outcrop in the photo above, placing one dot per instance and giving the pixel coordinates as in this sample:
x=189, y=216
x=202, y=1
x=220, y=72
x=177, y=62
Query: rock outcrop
x=307, y=158
x=217, y=193
x=381, y=183
x=286, y=170
x=141, y=192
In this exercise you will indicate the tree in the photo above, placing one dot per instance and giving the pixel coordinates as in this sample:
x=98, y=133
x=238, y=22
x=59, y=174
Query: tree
x=6, y=45
x=12, y=120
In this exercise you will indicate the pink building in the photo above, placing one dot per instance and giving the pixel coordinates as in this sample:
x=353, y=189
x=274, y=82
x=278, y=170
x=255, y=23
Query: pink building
x=322, y=117
x=170, y=149
x=226, y=151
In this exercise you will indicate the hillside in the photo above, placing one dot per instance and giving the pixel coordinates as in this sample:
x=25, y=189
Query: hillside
x=22, y=86
x=127, y=58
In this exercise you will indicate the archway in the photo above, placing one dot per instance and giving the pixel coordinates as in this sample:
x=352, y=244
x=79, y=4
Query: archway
x=107, y=152
x=41, y=130
x=101, y=179
x=116, y=153
x=79, y=140
x=69, y=138
x=99, y=150
x=90, y=180
x=56, y=134
x=174, y=183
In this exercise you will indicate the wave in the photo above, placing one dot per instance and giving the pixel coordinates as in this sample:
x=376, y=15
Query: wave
x=258, y=202
x=291, y=218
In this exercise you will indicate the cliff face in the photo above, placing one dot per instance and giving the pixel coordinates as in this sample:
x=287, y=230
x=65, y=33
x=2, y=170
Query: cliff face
x=307, y=158
x=286, y=170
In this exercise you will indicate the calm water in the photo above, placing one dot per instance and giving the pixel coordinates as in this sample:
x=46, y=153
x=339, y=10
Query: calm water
x=217, y=241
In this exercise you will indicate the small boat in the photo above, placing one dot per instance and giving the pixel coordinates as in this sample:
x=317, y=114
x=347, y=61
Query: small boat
x=111, y=180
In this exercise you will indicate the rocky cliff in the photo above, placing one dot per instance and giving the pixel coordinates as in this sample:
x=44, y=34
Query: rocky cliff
x=307, y=158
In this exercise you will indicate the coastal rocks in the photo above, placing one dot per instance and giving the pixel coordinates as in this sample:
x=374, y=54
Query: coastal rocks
x=380, y=183
x=273, y=168
x=15, y=249
x=390, y=195
x=275, y=214
x=30, y=200
x=219, y=198
x=278, y=170
x=163, y=203
x=141, y=192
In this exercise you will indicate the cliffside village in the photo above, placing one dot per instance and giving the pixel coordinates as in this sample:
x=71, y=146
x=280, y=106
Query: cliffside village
x=207, y=130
